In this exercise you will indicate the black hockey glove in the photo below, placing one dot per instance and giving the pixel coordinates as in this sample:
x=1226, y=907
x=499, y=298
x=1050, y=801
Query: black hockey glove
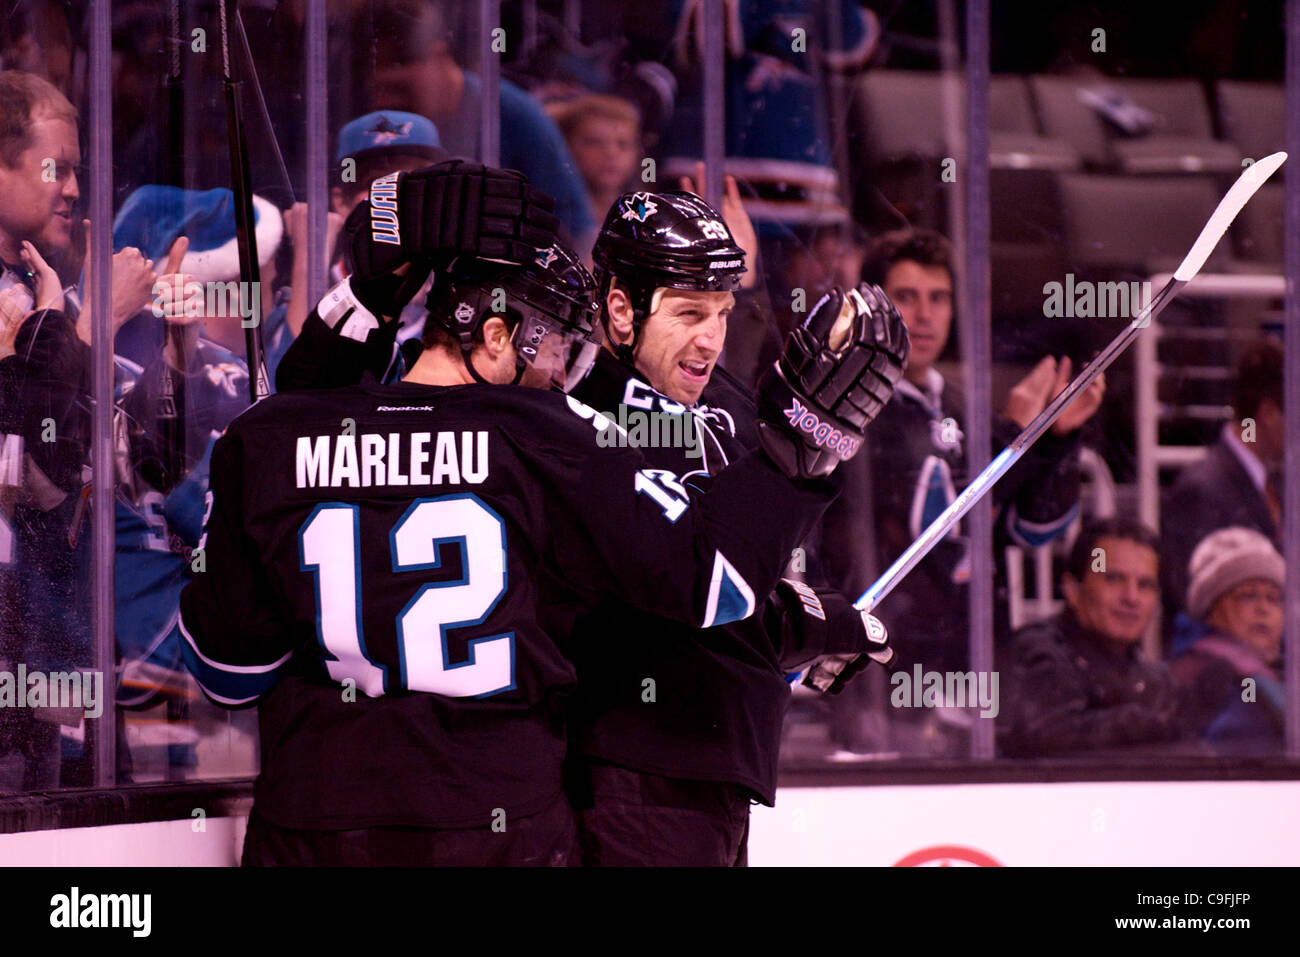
x=427, y=217
x=830, y=673
x=825, y=620
x=837, y=372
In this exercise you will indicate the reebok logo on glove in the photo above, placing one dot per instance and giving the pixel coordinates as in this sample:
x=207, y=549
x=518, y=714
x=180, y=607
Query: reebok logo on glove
x=384, y=227
x=845, y=446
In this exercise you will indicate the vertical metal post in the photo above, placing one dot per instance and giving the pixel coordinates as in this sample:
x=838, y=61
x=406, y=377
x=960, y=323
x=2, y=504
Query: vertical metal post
x=490, y=70
x=952, y=96
x=834, y=96
x=1291, y=384
x=573, y=21
x=318, y=156
x=103, y=735
x=528, y=18
x=979, y=351
x=714, y=96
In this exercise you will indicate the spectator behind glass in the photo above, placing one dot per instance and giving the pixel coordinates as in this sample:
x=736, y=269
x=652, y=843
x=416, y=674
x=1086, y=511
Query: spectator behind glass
x=813, y=260
x=1075, y=683
x=36, y=37
x=37, y=124
x=1231, y=678
x=369, y=146
x=45, y=600
x=778, y=135
x=174, y=396
x=604, y=136
x=1238, y=483
x=154, y=218
x=918, y=460
x=410, y=67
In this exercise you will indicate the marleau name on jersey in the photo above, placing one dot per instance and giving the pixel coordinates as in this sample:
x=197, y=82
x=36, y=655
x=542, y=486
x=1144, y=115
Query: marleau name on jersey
x=371, y=459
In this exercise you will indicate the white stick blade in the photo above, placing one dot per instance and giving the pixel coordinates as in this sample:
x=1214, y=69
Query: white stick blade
x=1242, y=190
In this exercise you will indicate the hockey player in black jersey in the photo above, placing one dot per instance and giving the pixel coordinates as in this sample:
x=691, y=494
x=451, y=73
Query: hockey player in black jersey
x=676, y=728
x=411, y=700
x=670, y=780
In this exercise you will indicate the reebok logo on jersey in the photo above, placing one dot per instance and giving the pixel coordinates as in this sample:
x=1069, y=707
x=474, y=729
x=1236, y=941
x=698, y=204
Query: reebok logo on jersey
x=823, y=433
x=384, y=227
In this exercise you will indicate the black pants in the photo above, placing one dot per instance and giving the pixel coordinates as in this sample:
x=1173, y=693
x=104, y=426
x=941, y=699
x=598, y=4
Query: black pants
x=627, y=818
x=546, y=839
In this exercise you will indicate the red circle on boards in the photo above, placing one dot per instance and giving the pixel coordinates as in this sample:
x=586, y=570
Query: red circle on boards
x=936, y=856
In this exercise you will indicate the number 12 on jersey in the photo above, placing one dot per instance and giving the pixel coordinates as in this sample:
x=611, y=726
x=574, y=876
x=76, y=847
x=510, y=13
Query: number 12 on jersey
x=329, y=546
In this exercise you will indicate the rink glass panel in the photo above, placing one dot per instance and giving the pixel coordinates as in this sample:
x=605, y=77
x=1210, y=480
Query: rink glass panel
x=834, y=144
x=48, y=531
x=1080, y=215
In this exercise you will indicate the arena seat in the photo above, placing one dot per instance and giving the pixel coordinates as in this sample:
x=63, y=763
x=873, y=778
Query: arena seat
x=1180, y=138
x=911, y=114
x=1258, y=230
x=1142, y=224
x=1252, y=115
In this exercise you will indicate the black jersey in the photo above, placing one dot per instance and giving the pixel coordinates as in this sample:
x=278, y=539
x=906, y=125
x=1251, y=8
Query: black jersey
x=373, y=556
x=719, y=695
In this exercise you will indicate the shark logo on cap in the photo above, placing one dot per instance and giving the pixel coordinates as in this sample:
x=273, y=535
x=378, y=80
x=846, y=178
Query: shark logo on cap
x=385, y=131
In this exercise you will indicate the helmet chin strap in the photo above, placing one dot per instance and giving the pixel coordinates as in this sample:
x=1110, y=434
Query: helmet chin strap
x=626, y=351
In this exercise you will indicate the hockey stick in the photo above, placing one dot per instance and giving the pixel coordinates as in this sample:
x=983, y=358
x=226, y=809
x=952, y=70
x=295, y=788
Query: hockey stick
x=259, y=383
x=1231, y=204
x=171, y=420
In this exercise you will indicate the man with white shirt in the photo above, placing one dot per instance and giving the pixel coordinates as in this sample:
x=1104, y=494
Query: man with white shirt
x=1237, y=483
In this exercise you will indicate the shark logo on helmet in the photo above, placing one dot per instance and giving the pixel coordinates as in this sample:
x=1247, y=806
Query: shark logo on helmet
x=464, y=313
x=640, y=207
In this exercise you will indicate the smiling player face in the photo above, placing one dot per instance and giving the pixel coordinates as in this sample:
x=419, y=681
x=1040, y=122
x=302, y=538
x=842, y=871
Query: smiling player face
x=681, y=340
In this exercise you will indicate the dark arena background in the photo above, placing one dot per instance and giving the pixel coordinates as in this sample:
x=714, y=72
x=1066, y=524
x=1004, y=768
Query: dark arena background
x=1097, y=666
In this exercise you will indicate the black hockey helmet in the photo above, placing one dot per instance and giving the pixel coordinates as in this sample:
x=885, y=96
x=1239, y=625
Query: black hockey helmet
x=672, y=239
x=549, y=299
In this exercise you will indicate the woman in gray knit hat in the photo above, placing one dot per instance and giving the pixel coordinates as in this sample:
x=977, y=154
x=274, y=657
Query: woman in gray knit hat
x=1231, y=678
